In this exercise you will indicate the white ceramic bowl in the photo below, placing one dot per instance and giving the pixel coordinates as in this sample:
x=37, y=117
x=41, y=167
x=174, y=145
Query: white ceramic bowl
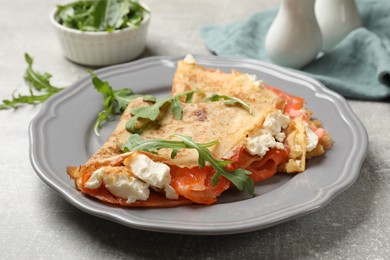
x=102, y=48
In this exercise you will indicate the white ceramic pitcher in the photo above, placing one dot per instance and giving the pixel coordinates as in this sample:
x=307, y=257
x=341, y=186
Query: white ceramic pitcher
x=336, y=19
x=294, y=38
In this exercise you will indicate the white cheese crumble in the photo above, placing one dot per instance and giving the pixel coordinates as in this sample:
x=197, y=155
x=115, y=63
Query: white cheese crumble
x=297, y=147
x=312, y=139
x=121, y=185
x=189, y=59
x=155, y=174
x=260, y=145
x=253, y=78
x=270, y=136
x=146, y=173
x=298, y=162
x=275, y=122
x=95, y=180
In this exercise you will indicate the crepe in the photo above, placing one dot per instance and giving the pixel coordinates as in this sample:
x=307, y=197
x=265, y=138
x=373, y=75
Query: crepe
x=190, y=75
x=109, y=173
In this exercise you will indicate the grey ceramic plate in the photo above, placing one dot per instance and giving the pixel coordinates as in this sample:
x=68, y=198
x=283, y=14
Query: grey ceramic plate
x=62, y=134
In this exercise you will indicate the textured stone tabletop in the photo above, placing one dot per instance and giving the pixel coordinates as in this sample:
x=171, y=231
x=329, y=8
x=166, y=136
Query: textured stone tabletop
x=37, y=223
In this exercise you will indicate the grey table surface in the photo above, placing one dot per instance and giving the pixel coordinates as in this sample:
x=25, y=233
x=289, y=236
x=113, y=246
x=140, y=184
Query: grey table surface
x=37, y=223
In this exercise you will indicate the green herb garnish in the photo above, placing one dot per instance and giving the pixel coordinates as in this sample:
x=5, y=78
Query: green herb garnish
x=101, y=15
x=115, y=101
x=229, y=101
x=146, y=114
x=37, y=82
x=239, y=177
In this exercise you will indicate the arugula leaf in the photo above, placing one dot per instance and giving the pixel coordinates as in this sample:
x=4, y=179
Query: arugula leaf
x=136, y=143
x=101, y=15
x=123, y=97
x=115, y=101
x=76, y=15
x=239, y=177
x=150, y=113
x=37, y=81
x=23, y=99
x=229, y=101
x=135, y=16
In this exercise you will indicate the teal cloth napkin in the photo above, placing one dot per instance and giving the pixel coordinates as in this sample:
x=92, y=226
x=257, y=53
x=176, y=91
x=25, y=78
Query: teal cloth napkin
x=358, y=67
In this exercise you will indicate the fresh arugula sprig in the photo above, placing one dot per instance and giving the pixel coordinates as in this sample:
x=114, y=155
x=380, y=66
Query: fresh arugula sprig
x=37, y=82
x=147, y=114
x=239, y=177
x=229, y=101
x=137, y=143
x=101, y=15
x=115, y=101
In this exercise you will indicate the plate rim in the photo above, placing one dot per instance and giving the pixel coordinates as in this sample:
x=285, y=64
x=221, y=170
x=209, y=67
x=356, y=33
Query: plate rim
x=320, y=91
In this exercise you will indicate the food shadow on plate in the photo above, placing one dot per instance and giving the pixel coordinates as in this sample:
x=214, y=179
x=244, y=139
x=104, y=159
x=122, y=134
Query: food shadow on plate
x=234, y=195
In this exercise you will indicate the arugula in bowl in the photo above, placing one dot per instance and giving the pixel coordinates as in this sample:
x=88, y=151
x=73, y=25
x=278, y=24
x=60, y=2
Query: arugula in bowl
x=100, y=15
